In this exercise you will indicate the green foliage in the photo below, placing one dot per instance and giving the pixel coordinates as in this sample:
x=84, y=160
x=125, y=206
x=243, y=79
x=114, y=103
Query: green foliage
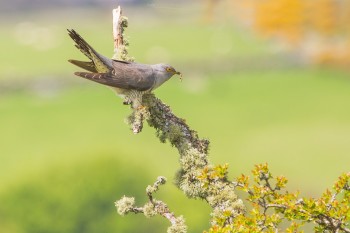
x=72, y=198
x=271, y=205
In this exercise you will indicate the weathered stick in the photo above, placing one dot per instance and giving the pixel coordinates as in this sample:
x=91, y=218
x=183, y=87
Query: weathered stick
x=120, y=22
x=117, y=29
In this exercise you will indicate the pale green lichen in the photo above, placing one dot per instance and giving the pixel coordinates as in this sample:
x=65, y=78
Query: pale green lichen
x=221, y=193
x=125, y=205
x=224, y=202
x=150, y=189
x=148, y=210
x=174, y=134
x=193, y=159
x=136, y=118
x=124, y=22
x=160, y=206
x=155, y=187
x=191, y=186
x=226, y=211
x=122, y=51
x=179, y=226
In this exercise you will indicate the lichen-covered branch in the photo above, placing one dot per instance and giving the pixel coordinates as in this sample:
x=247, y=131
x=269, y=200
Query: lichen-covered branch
x=127, y=204
x=197, y=178
x=152, y=208
x=121, y=44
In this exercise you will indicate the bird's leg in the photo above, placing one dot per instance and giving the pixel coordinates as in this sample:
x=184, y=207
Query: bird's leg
x=137, y=105
x=137, y=101
x=142, y=108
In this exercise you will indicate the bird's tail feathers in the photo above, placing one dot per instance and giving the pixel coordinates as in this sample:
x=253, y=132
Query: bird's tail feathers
x=81, y=44
x=86, y=65
x=100, y=62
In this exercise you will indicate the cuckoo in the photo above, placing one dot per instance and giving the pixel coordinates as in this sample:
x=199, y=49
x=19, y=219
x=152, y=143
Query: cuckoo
x=129, y=79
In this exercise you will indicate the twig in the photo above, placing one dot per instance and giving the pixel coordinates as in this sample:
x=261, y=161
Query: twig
x=153, y=207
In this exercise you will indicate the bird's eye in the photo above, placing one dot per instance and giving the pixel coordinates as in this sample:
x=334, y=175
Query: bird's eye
x=169, y=69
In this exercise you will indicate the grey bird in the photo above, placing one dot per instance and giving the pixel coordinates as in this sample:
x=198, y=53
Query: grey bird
x=129, y=79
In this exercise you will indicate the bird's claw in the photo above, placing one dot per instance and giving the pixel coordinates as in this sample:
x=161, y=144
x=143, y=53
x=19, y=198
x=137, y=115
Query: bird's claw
x=141, y=107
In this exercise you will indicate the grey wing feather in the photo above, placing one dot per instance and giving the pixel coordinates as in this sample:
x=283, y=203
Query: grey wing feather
x=130, y=76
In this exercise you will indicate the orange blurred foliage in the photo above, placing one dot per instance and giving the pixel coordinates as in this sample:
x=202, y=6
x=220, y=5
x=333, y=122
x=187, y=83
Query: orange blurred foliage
x=282, y=18
x=317, y=29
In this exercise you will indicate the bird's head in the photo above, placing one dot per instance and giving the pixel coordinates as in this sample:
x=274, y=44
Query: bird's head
x=169, y=71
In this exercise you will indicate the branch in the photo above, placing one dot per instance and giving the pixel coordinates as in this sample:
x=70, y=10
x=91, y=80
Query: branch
x=121, y=44
x=117, y=29
x=197, y=178
x=153, y=207
x=120, y=22
x=127, y=204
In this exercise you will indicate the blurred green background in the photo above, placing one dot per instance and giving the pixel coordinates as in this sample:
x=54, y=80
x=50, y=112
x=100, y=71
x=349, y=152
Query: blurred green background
x=66, y=154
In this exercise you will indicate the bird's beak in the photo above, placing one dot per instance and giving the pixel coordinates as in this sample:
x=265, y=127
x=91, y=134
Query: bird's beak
x=179, y=73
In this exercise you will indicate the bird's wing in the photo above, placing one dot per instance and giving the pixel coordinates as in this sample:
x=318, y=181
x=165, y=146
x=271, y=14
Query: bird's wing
x=130, y=76
x=125, y=62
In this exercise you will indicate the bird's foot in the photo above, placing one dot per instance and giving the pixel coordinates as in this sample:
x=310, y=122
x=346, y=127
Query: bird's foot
x=141, y=108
